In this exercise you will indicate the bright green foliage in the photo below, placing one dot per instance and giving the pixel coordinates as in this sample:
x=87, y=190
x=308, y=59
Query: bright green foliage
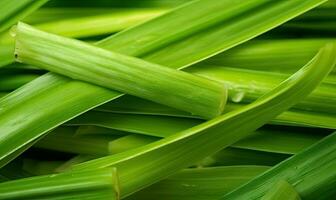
x=167, y=48
x=188, y=147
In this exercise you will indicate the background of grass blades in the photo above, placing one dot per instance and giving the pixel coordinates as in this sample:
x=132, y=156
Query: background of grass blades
x=62, y=138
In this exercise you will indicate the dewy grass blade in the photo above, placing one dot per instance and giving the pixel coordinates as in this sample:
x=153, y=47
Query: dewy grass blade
x=281, y=190
x=189, y=146
x=310, y=172
x=95, y=184
x=131, y=75
x=248, y=85
x=12, y=11
x=60, y=111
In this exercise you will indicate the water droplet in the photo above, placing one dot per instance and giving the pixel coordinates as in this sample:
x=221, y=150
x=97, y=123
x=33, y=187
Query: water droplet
x=12, y=31
x=237, y=96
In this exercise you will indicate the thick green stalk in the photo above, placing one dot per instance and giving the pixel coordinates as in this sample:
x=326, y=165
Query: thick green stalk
x=96, y=184
x=178, y=54
x=311, y=173
x=160, y=159
x=131, y=75
x=281, y=190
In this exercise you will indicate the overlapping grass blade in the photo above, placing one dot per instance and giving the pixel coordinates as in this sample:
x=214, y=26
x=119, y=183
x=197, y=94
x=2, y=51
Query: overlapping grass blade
x=276, y=12
x=309, y=172
x=160, y=126
x=187, y=147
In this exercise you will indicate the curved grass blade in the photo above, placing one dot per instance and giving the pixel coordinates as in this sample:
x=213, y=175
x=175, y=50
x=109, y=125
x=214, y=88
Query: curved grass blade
x=310, y=172
x=276, y=12
x=127, y=74
x=189, y=146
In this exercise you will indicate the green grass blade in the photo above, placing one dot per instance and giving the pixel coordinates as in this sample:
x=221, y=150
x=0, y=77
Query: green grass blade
x=310, y=172
x=100, y=184
x=203, y=183
x=281, y=190
x=81, y=27
x=45, y=15
x=50, y=97
x=294, y=117
x=237, y=16
x=14, y=10
x=123, y=73
x=236, y=156
x=276, y=55
x=187, y=147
